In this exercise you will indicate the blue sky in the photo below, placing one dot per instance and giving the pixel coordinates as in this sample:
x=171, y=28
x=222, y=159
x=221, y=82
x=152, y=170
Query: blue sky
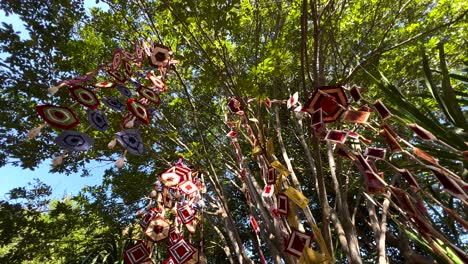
x=11, y=177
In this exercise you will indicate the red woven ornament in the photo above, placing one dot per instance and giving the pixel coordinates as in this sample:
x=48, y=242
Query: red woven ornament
x=449, y=184
x=170, y=178
x=382, y=110
x=149, y=94
x=58, y=116
x=331, y=99
x=390, y=138
x=352, y=135
x=232, y=134
x=137, y=253
x=147, y=218
x=292, y=100
x=374, y=185
x=127, y=56
x=157, y=230
x=377, y=153
x=271, y=176
x=181, y=252
x=425, y=156
x=174, y=235
x=404, y=201
x=409, y=178
x=358, y=117
x=235, y=106
x=176, y=174
x=355, y=94
x=422, y=132
x=268, y=191
x=104, y=85
x=159, y=54
x=317, y=117
x=116, y=59
x=188, y=187
x=84, y=96
x=167, y=198
x=282, y=204
x=336, y=136
x=157, y=82
x=168, y=261
x=128, y=68
x=254, y=224
x=186, y=213
x=118, y=75
x=297, y=242
x=138, y=110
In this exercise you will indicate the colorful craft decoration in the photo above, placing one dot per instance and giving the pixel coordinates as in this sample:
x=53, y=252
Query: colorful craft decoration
x=188, y=187
x=158, y=229
x=181, y=252
x=331, y=99
x=104, y=85
x=137, y=253
x=336, y=136
x=124, y=91
x=355, y=93
x=353, y=116
x=131, y=141
x=297, y=242
x=169, y=196
x=58, y=116
x=84, y=96
x=147, y=218
x=186, y=214
x=178, y=188
x=149, y=94
x=235, y=106
x=282, y=204
x=118, y=75
x=325, y=107
x=138, y=110
x=74, y=141
x=114, y=103
x=159, y=54
x=98, y=120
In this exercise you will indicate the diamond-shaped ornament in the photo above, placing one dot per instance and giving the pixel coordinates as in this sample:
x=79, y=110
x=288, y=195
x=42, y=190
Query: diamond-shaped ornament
x=181, y=252
x=136, y=253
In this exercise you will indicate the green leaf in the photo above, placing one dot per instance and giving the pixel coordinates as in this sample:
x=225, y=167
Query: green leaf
x=459, y=77
x=408, y=111
x=448, y=95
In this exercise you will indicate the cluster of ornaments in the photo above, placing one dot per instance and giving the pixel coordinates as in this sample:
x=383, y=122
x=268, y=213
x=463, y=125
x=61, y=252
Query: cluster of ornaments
x=330, y=104
x=174, y=210
x=133, y=91
x=125, y=86
x=280, y=203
